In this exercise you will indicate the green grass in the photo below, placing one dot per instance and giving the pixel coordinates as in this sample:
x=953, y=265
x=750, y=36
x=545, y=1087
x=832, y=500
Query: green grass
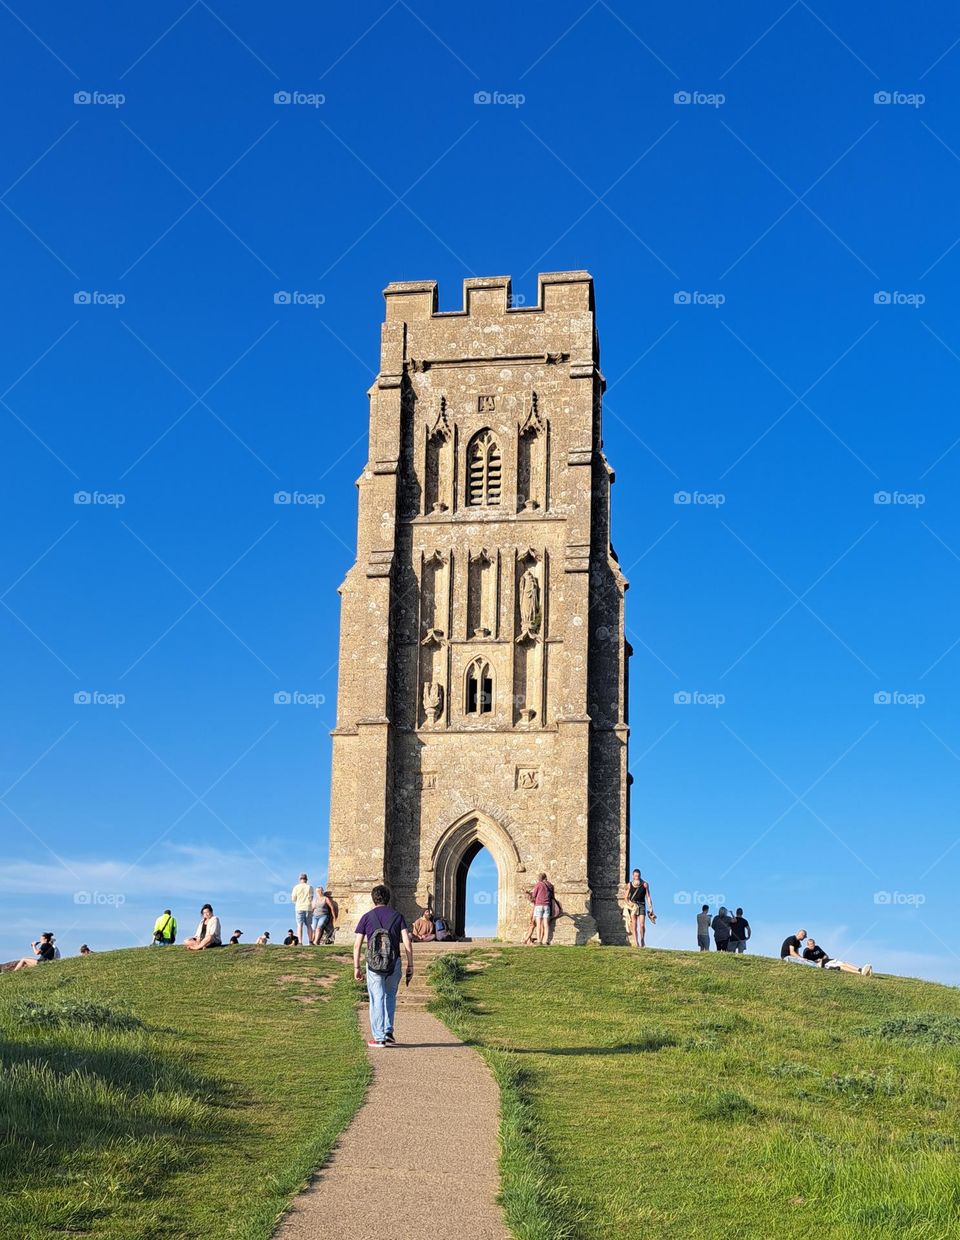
x=693, y=1097
x=170, y=1095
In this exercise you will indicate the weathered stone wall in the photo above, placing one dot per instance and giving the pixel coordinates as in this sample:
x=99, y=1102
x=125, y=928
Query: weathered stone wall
x=483, y=663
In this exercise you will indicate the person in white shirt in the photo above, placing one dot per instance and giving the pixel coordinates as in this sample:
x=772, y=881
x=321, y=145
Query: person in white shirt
x=207, y=933
x=302, y=897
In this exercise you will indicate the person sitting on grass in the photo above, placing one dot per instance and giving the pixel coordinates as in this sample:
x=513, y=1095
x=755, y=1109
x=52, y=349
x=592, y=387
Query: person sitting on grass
x=207, y=933
x=423, y=930
x=441, y=929
x=264, y=939
x=43, y=952
x=85, y=950
x=792, y=948
x=291, y=940
x=816, y=955
x=235, y=938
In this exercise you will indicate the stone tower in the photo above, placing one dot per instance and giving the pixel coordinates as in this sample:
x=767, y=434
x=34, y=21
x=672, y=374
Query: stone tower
x=483, y=665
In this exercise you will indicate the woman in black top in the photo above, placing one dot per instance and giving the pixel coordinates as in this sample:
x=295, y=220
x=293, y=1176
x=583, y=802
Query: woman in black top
x=638, y=904
x=43, y=951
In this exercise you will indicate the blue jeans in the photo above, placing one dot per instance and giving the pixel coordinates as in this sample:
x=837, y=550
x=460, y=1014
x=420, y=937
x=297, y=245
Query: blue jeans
x=737, y=945
x=382, y=989
x=304, y=925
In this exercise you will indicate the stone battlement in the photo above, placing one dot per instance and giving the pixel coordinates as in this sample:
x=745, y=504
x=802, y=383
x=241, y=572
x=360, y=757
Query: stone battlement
x=490, y=296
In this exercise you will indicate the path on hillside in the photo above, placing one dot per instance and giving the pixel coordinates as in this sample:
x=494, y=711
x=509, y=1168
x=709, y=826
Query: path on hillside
x=433, y=1093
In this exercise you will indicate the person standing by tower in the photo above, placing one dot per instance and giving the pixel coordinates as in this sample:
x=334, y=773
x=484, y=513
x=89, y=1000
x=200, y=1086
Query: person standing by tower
x=639, y=905
x=302, y=898
x=542, y=900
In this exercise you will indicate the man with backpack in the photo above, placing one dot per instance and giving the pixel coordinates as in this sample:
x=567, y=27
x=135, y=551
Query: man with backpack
x=383, y=930
x=164, y=929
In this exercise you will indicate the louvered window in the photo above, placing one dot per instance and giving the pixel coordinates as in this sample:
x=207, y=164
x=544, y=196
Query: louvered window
x=484, y=471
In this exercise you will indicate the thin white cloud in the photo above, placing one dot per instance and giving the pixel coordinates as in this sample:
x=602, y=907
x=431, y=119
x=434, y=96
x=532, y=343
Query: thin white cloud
x=180, y=870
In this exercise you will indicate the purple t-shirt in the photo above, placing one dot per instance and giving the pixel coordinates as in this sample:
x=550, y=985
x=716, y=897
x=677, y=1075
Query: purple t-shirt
x=383, y=917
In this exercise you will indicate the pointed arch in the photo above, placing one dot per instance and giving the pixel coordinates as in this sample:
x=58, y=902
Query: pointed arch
x=452, y=855
x=484, y=470
x=478, y=687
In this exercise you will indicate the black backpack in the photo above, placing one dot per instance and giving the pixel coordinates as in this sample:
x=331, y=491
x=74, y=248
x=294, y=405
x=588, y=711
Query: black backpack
x=382, y=956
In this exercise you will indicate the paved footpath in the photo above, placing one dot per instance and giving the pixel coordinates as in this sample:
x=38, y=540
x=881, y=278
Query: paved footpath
x=429, y=1092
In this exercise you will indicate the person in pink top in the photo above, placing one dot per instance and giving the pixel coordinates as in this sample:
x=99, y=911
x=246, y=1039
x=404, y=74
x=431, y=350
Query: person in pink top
x=542, y=900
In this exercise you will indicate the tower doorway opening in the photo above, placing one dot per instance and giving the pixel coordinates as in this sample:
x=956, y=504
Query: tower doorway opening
x=477, y=894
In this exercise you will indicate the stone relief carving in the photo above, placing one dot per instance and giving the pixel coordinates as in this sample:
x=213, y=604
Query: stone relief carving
x=530, y=613
x=432, y=701
x=528, y=778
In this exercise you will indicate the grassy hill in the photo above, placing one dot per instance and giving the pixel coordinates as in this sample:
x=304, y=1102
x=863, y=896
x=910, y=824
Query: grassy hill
x=163, y=1095
x=679, y=1096
x=159, y=1093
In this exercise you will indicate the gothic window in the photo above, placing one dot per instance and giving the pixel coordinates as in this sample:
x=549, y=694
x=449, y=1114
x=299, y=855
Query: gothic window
x=478, y=699
x=484, y=468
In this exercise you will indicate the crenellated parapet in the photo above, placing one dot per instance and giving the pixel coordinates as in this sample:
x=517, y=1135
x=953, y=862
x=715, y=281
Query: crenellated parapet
x=483, y=658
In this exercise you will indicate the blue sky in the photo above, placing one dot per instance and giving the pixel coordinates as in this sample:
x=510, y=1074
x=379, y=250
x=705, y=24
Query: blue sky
x=776, y=259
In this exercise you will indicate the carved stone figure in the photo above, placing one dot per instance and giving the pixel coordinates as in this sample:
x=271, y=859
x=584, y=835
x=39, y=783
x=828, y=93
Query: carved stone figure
x=529, y=604
x=432, y=700
x=494, y=411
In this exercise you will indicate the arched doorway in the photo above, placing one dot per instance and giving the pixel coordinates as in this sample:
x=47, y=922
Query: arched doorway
x=480, y=890
x=457, y=848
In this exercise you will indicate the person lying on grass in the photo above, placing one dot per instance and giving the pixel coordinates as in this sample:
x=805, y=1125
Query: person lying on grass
x=816, y=955
x=207, y=932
